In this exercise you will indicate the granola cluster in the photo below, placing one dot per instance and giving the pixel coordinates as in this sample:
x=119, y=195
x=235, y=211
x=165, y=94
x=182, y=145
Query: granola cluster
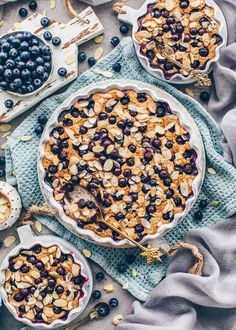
x=131, y=152
x=43, y=284
x=188, y=29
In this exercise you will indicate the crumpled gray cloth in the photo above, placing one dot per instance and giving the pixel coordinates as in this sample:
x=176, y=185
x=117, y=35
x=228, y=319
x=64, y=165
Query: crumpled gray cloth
x=188, y=302
x=2, y=3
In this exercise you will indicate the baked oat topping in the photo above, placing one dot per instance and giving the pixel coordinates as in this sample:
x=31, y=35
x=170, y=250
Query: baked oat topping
x=131, y=152
x=44, y=284
x=187, y=28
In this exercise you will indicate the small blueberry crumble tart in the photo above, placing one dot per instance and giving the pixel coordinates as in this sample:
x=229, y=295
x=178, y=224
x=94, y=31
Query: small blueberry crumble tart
x=130, y=152
x=44, y=284
x=187, y=28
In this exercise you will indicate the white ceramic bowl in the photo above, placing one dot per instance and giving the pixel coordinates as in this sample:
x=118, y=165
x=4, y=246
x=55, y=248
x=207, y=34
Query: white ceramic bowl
x=15, y=203
x=157, y=94
x=49, y=76
x=131, y=17
x=28, y=240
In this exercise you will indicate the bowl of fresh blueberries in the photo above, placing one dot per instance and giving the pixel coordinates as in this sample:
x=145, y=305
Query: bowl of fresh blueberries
x=25, y=63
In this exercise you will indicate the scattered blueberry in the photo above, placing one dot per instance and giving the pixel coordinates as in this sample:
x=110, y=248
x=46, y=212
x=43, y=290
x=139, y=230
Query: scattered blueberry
x=121, y=267
x=96, y=294
x=204, y=96
x=33, y=5
x=203, y=204
x=23, y=12
x=9, y=104
x=45, y=21
x=2, y=173
x=116, y=67
x=2, y=162
x=56, y=41
x=124, y=29
x=82, y=56
x=198, y=215
x=103, y=310
x=113, y=302
x=91, y=61
x=115, y=41
x=38, y=129
x=62, y=72
x=99, y=276
x=42, y=119
x=47, y=35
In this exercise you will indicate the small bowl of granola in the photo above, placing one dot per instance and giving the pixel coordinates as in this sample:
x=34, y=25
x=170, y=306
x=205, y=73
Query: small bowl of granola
x=133, y=147
x=192, y=32
x=45, y=282
x=10, y=205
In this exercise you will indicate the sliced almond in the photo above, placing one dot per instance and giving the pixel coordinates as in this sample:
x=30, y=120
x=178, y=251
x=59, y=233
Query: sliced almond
x=134, y=272
x=38, y=226
x=71, y=58
x=98, y=53
x=60, y=303
x=9, y=240
x=86, y=253
x=53, y=4
x=99, y=39
x=5, y=128
x=108, y=287
x=106, y=74
x=211, y=170
x=26, y=138
x=117, y=318
x=125, y=286
x=75, y=269
x=108, y=165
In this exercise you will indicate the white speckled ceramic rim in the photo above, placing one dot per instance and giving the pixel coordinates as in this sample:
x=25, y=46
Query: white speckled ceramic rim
x=28, y=240
x=15, y=203
x=50, y=74
x=158, y=95
x=132, y=17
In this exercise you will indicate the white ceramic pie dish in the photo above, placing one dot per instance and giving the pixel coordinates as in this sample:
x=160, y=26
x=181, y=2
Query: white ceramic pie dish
x=131, y=17
x=28, y=240
x=50, y=74
x=157, y=94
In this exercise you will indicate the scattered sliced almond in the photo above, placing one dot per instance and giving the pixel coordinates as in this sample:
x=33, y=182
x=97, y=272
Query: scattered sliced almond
x=26, y=138
x=70, y=59
x=38, y=226
x=53, y=4
x=9, y=240
x=117, y=318
x=98, y=53
x=189, y=92
x=134, y=272
x=1, y=23
x=214, y=203
x=106, y=74
x=5, y=128
x=125, y=286
x=211, y=170
x=108, y=288
x=86, y=253
x=99, y=39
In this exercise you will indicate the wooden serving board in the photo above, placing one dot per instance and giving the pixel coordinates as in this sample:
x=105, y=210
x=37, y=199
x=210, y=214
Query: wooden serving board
x=72, y=34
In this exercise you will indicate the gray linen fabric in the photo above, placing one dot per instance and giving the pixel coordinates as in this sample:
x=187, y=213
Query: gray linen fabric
x=189, y=302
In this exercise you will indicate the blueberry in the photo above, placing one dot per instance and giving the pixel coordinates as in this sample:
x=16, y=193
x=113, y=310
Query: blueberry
x=184, y=4
x=31, y=259
x=16, y=42
x=103, y=310
x=96, y=294
x=115, y=41
x=99, y=276
x=203, y=204
x=113, y=302
x=18, y=297
x=30, y=88
x=59, y=289
x=91, y=61
x=23, y=12
x=203, y=52
x=81, y=56
x=6, y=46
x=116, y=67
x=57, y=310
x=124, y=29
x=34, y=51
x=56, y=41
x=198, y=215
x=25, y=56
x=2, y=160
x=27, y=36
x=121, y=267
x=39, y=265
x=9, y=104
x=30, y=65
x=24, y=269
x=204, y=96
x=18, y=82
x=2, y=173
x=45, y=21
x=42, y=119
x=150, y=54
x=47, y=35
x=47, y=66
x=13, y=53
x=46, y=51
x=33, y=5
x=62, y=72
x=8, y=74
x=37, y=83
x=38, y=130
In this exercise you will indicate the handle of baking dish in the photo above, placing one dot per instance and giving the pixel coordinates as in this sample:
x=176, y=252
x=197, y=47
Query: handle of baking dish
x=25, y=234
x=128, y=15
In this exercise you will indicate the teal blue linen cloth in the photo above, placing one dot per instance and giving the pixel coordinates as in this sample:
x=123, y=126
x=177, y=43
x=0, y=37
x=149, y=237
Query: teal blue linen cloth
x=22, y=161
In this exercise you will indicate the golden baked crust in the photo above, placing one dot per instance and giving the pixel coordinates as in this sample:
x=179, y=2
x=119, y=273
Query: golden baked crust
x=43, y=284
x=187, y=28
x=131, y=152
